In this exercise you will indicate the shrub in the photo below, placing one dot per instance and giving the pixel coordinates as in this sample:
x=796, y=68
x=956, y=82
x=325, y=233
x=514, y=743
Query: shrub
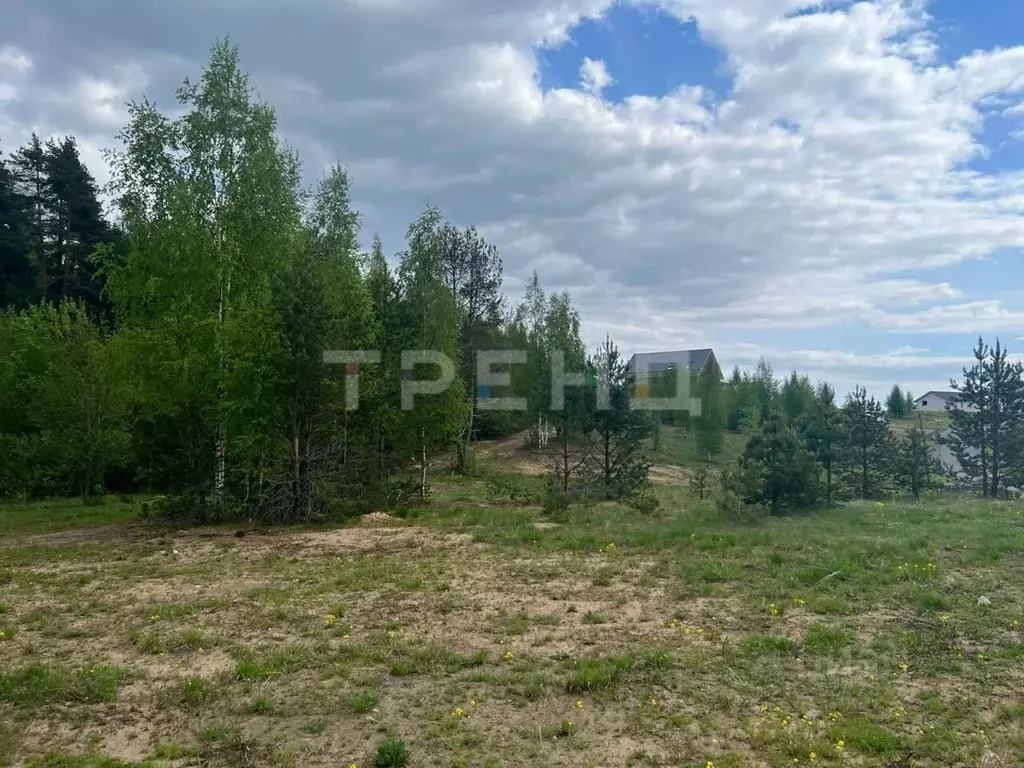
x=392, y=754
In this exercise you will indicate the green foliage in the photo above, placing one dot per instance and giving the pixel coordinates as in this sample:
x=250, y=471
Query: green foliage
x=776, y=470
x=619, y=470
x=365, y=702
x=916, y=468
x=896, y=404
x=870, y=444
x=63, y=417
x=38, y=685
x=988, y=421
x=392, y=753
x=827, y=436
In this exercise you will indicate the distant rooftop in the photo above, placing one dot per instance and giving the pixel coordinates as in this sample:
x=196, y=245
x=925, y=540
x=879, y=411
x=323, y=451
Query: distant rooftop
x=652, y=362
x=943, y=393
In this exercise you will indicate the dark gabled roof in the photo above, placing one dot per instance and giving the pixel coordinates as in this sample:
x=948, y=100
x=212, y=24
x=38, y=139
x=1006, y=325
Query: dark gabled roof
x=691, y=359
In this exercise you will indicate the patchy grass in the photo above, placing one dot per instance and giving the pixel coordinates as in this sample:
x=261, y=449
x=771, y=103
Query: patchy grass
x=63, y=514
x=482, y=638
x=678, y=447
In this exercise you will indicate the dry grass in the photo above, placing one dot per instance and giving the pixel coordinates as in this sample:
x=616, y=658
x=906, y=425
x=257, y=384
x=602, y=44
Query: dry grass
x=477, y=637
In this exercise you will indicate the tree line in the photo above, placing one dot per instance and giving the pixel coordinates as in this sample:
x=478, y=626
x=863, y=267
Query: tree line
x=183, y=351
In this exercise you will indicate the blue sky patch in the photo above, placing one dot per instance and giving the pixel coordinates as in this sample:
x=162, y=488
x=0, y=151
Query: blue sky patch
x=646, y=51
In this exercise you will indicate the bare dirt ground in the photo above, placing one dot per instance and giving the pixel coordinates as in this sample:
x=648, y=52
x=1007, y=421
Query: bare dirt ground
x=513, y=641
x=511, y=454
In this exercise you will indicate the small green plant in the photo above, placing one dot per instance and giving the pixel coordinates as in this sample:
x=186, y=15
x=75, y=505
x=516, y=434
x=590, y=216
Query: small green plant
x=593, y=617
x=392, y=753
x=826, y=641
x=593, y=675
x=262, y=706
x=365, y=702
x=768, y=645
x=195, y=692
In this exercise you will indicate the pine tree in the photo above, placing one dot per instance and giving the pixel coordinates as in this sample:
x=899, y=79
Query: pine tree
x=76, y=226
x=870, y=444
x=383, y=390
x=776, y=469
x=916, y=465
x=472, y=271
x=619, y=468
x=16, y=278
x=826, y=436
x=324, y=305
x=987, y=419
x=28, y=168
x=796, y=396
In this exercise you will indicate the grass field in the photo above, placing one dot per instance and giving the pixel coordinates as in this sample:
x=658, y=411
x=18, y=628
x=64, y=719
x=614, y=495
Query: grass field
x=475, y=633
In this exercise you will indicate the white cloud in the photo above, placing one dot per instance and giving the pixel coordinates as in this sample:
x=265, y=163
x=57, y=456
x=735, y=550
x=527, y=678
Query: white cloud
x=821, y=191
x=594, y=76
x=14, y=60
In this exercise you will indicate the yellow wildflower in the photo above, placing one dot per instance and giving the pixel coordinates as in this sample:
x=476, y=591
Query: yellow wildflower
x=945, y=618
x=812, y=757
x=579, y=704
x=800, y=601
x=459, y=712
x=508, y=656
x=329, y=620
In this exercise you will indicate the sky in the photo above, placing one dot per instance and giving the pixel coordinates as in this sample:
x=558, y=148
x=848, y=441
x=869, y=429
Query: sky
x=835, y=186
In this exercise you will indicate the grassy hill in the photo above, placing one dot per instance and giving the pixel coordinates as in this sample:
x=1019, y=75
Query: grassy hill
x=678, y=447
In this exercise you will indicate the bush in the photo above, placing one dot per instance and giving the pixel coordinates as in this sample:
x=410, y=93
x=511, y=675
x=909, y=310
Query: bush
x=392, y=754
x=518, y=490
x=556, y=500
x=189, y=509
x=644, y=502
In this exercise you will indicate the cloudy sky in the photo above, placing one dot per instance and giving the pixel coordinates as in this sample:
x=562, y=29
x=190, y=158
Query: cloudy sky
x=837, y=186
